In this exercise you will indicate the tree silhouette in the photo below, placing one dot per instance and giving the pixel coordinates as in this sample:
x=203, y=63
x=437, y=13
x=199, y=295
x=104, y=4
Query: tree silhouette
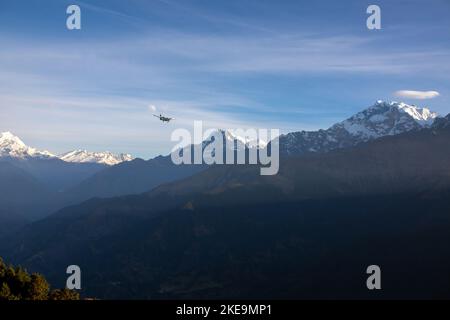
x=17, y=284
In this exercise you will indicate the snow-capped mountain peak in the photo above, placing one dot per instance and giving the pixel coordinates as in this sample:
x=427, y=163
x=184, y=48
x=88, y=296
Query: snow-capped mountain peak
x=422, y=115
x=232, y=140
x=381, y=119
x=384, y=119
x=244, y=138
x=8, y=138
x=12, y=146
x=84, y=156
x=239, y=139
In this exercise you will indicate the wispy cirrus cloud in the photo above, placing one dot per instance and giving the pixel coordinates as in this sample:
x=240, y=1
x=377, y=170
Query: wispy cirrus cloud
x=109, y=83
x=413, y=94
x=230, y=64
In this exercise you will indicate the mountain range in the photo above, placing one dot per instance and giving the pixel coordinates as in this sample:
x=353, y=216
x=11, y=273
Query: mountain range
x=13, y=147
x=228, y=232
x=80, y=175
x=370, y=189
x=381, y=119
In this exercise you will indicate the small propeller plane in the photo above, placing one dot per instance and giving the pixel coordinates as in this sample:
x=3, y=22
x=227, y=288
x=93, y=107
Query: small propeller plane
x=163, y=119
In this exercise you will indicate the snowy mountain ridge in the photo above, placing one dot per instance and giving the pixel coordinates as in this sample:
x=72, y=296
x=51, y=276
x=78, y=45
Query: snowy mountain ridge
x=83, y=156
x=381, y=119
x=378, y=120
x=13, y=147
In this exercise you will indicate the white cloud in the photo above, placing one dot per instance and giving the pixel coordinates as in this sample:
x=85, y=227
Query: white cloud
x=152, y=108
x=421, y=95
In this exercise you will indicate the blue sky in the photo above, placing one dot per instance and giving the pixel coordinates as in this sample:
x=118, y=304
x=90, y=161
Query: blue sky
x=292, y=65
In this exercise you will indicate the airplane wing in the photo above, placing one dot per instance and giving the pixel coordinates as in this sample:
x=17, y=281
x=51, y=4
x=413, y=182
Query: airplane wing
x=156, y=116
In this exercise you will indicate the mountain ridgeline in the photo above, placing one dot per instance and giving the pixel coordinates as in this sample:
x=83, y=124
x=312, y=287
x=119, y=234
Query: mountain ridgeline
x=308, y=232
x=381, y=119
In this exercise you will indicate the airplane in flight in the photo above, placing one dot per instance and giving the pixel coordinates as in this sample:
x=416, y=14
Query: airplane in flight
x=163, y=119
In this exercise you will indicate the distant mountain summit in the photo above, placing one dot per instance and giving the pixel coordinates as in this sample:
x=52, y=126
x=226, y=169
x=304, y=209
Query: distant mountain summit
x=83, y=156
x=381, y=119
x=238, y=140
x=12, y=146
x=190, y=237
x=243, y=141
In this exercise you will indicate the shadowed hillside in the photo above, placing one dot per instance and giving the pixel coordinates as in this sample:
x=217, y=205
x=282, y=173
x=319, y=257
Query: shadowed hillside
x=228, y=232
